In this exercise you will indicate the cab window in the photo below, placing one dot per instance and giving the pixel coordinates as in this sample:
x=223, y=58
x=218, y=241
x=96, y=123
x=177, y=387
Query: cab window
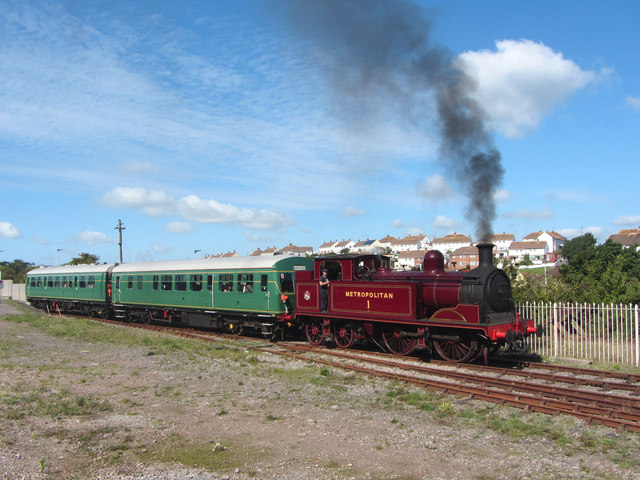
x=286, y=282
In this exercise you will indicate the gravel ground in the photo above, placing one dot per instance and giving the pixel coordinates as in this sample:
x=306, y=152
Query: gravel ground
x=95, y=410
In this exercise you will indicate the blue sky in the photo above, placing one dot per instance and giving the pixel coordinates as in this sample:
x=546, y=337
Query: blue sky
x=214, y=126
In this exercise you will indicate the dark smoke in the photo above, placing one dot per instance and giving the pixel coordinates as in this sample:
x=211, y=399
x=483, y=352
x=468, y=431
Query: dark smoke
x=383, y=65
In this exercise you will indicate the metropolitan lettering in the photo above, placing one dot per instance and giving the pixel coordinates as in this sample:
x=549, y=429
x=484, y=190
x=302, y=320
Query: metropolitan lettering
x=374, y=295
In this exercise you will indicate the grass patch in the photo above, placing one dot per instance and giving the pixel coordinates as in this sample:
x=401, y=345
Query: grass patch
x=213, y=456
x=40, y=402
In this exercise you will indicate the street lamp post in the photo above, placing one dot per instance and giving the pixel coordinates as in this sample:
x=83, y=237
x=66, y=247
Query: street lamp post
x=58, y=256
x=195, y=253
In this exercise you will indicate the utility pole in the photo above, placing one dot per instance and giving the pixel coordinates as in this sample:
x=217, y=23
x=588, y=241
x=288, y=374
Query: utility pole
x=120, y=227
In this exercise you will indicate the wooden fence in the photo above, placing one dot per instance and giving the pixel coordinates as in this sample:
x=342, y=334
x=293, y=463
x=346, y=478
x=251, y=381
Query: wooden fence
x=597, y=332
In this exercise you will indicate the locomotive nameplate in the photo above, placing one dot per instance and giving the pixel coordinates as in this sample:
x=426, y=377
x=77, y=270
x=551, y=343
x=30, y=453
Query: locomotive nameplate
x=385, y=300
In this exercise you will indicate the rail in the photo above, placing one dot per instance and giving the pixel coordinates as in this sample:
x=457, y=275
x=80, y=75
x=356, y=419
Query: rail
x=607, y=333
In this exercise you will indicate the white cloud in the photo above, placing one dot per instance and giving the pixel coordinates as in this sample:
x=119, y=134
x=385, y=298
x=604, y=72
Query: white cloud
x=531, y=214
x=191, y=207
x=41, y=240
x=138, y=167
x=634, y=102
x=577, y=195
x=397, y=223
x=501, y=195
x=435, y=188
x=521, y=82
x=7, y=230
x=179, y=227
x=627, y=220
x=161, y=248
x=92, y=238
x=352, y=212
x=576, y=232
x=445, y=223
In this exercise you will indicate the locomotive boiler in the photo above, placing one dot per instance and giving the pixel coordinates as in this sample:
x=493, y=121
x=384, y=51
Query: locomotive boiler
x=460, y=315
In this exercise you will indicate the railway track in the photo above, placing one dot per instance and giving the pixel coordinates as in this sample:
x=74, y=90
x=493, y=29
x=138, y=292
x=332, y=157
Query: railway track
x=606, y=398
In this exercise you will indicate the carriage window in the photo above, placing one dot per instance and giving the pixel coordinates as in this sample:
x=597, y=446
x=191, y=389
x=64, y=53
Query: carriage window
x=286, y=282
x=130, y=282
x=209, y=282
x=156, y=280
x=64, y=282
x=196, y=283
x=263, y=283
x=39, y=282
x=71, y=282
x=166, y=282
x=226, y=282
x=92, y=281
x=139, y=282
x=57, y=282
x=83, y=282
x=181, y=282
x=245, y=283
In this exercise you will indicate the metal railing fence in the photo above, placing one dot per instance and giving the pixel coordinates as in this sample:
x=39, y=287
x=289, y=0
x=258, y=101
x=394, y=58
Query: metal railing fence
x=606, y=333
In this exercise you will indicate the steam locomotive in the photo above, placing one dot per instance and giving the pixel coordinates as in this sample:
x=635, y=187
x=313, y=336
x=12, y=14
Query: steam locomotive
x=461, y=315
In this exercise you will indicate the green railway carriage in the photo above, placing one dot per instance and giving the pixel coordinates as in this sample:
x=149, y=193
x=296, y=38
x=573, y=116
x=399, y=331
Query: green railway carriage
x=236, y=293
x=70, y=288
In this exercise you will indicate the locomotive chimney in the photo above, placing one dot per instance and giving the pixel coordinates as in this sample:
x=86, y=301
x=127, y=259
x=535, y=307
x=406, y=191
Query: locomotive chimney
x=485, y=254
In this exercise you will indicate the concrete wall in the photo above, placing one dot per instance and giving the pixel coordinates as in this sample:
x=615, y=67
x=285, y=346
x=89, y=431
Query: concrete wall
x=14, y=291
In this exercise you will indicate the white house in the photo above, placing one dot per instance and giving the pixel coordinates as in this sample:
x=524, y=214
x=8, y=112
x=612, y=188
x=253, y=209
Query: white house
x=537, y=251
x=450, y=243
x=502, y=241
x=367, y=246
x=410, y=259
x=327, y=247
x=410, y=243
x=554, y=240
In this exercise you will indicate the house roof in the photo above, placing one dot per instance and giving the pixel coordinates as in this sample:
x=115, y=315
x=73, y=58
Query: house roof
x=328, y=244
x=295, y=249
x=502, y=237
x=452, y=238
x=527, y=245
x=412, y=254
x=626, y=239
x=465, y=251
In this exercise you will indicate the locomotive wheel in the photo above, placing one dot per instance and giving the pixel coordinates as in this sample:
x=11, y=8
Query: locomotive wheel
x=397, y=342
x=457, y=352
x=344, y=336
x=313, y=331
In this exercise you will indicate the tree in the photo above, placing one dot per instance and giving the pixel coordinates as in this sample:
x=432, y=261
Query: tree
x=577, y=245
x=16, y=270
x=84, y=259
x=605, y=273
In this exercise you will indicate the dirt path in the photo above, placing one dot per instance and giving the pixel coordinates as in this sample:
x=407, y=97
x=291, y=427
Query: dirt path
x=77, y=409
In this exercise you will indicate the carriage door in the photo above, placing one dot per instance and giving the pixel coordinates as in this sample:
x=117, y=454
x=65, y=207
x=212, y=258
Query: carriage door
x=117, y=290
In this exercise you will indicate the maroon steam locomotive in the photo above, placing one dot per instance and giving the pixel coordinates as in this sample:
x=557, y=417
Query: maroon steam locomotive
x=461, y=315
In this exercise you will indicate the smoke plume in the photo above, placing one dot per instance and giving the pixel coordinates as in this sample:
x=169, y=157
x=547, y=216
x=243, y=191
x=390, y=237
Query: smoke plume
x=384, y=66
